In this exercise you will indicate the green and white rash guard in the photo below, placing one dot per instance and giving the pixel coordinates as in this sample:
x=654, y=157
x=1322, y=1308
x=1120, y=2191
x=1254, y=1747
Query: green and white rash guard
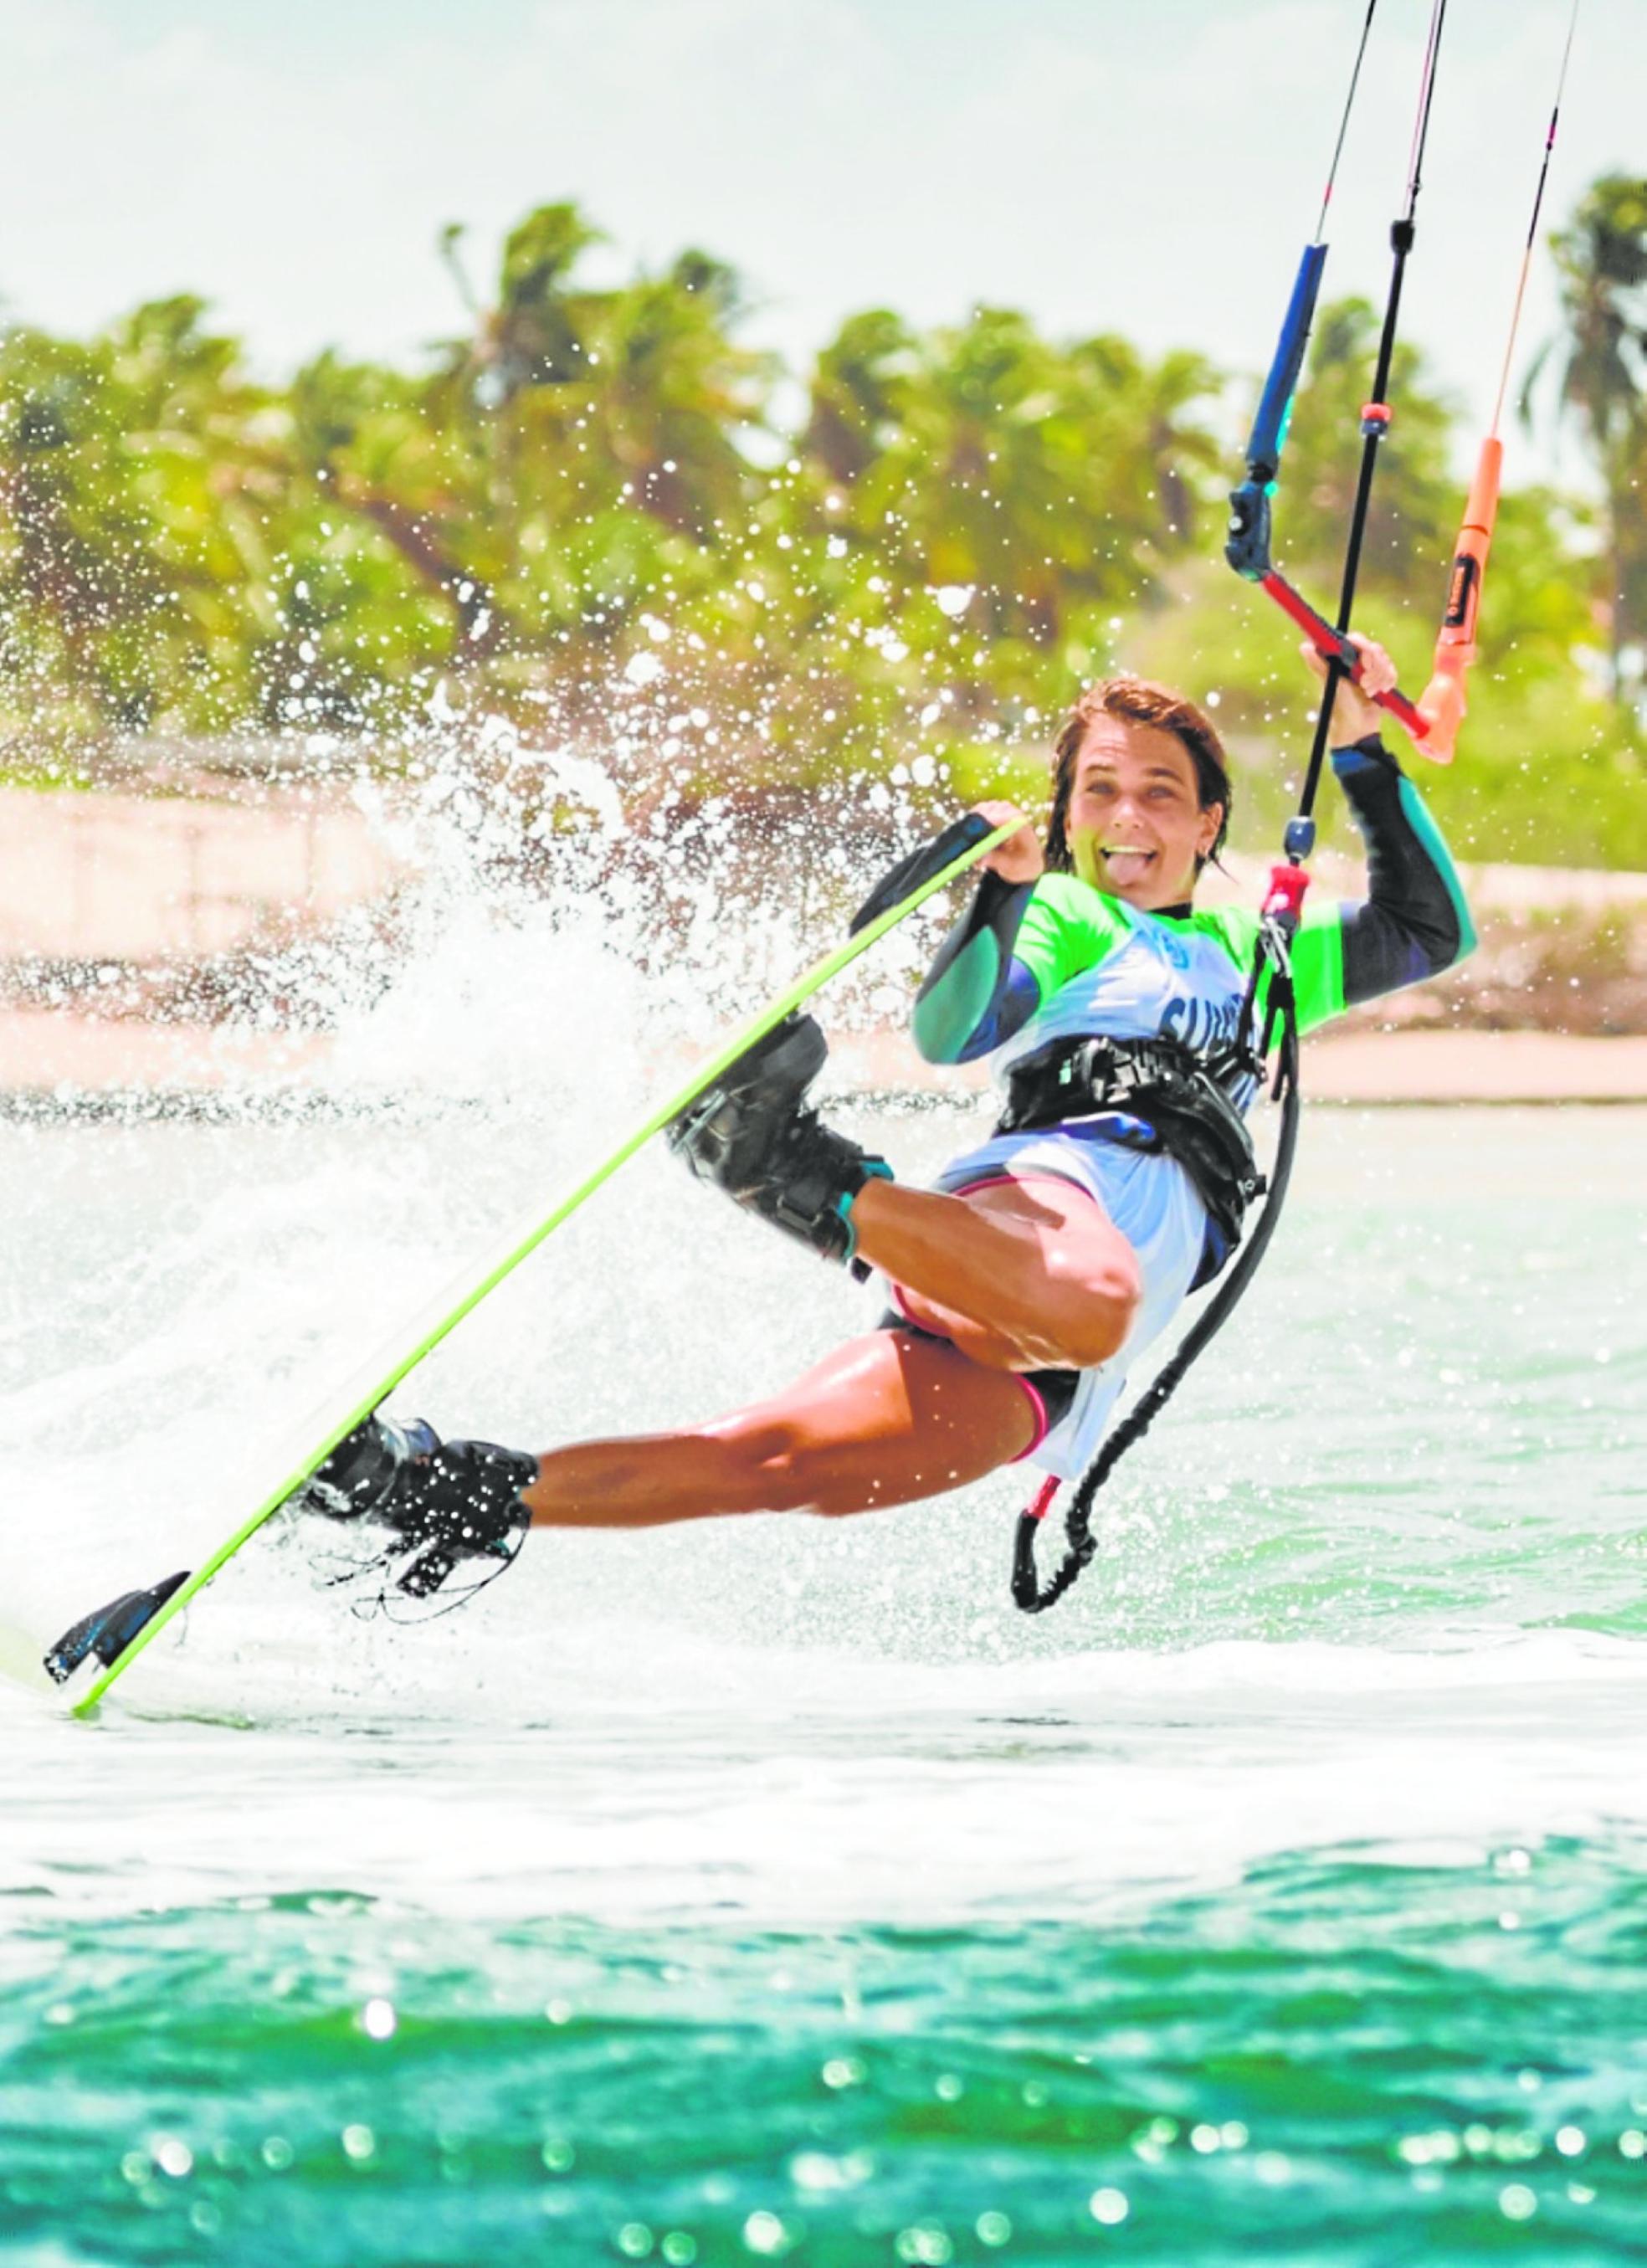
x=1058, y=959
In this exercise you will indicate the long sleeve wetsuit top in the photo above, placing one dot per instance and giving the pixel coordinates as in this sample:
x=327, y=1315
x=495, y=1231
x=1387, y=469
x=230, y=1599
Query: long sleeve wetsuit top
x=1059, y=958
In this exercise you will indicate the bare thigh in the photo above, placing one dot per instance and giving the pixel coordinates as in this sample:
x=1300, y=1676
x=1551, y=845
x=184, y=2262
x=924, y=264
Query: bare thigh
x=883, y=1420
x=1072, y=1236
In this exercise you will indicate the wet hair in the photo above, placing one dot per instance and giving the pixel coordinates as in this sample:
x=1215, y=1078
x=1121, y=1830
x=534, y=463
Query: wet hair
x=1135, y=701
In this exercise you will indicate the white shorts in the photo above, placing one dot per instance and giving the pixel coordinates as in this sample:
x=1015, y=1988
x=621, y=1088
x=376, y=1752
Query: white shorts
x=1152, y=1202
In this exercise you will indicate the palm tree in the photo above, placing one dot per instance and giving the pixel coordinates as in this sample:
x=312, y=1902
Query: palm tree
x=1601, y=385
x=122, y=471
x=678, y=394
x=1047, y=478
x=859, y=390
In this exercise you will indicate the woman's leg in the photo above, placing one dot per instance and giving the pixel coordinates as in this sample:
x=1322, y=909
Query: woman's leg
x=1054, y=1285
x=1023, y=1275
x=883, y=1420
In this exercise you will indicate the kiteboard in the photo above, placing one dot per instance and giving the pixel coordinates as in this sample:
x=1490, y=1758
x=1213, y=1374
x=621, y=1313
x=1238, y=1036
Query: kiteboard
x=113, y=1636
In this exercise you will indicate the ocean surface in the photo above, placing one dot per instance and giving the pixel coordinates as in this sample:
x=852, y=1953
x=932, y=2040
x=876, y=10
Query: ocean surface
x=772, y=1889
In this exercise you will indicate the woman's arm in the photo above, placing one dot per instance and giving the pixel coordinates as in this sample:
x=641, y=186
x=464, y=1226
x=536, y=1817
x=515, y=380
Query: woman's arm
x=1413, y=922
x=977, y=993
x=1024, y=935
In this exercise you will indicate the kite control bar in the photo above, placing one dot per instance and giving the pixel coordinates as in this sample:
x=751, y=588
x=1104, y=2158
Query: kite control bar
x=1337, y=645
x=1433, y=720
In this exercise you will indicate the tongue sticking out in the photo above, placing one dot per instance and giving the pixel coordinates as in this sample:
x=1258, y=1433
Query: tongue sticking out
x=1126, y=867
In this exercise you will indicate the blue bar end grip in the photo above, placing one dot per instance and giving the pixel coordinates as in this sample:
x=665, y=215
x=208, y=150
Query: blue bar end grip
x=1247, y=545
x=1269, y=427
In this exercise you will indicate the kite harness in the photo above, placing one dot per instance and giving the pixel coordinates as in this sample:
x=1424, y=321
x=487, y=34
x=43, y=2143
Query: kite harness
x=1184, y=1100
x=1270, y=1022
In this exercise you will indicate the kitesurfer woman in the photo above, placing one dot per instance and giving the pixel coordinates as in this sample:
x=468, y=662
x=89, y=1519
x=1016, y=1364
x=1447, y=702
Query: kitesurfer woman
x=1021, y=1288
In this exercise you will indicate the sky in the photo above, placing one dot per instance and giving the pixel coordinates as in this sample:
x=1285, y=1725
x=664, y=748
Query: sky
x=1101, y=163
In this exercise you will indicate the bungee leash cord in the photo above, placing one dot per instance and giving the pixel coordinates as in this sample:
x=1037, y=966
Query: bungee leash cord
x=1282, y=1025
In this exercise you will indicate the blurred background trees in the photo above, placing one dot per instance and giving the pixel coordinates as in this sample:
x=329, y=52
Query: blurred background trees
x=599, y=512
x=1601, y=358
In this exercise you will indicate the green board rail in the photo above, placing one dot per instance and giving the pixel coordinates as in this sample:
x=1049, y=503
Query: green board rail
x=403, y=1355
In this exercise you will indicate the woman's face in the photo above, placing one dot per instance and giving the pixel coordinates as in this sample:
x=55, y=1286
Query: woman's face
x=1136, y=828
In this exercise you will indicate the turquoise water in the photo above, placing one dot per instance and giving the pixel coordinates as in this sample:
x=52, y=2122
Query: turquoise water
x=775, y=1890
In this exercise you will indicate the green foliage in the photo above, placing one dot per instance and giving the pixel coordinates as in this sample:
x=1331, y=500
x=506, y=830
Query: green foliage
x=1413, y=513
x=1600, y=362
x=587, y=511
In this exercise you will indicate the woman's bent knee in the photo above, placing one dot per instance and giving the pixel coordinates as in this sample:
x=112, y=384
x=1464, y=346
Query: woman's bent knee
x=1093, y=1316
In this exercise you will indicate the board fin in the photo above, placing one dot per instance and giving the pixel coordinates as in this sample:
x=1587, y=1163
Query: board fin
x=108, y=1631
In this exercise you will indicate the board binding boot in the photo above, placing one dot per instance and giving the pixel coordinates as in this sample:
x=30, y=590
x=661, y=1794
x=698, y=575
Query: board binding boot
x=442, y=1501
x=108, y=1632
x=752, y=1135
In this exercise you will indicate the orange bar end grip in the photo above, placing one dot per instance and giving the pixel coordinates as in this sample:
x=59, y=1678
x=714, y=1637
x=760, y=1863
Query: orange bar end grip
x=1443, y=705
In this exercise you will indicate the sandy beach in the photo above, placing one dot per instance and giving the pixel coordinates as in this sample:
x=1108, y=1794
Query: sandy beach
x=111, y=888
